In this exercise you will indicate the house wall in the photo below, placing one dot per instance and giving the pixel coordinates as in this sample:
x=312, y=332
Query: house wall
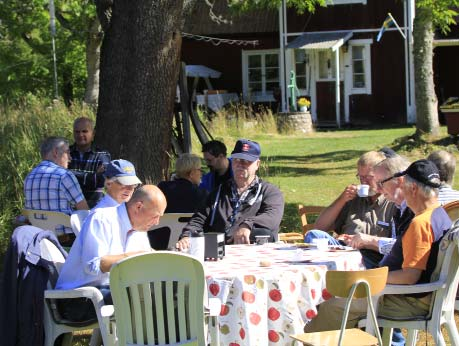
x=386, y=104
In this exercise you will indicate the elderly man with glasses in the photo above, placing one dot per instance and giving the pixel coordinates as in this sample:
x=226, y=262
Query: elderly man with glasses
x=412, y=258
x=350, y=214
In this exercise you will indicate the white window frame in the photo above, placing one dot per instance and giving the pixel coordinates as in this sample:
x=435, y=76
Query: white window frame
x=345, y=2
x=262, y=96
x=366, y=43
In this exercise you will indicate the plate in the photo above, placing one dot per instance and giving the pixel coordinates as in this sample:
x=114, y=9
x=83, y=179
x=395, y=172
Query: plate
x=333, y=248
x=304, y=245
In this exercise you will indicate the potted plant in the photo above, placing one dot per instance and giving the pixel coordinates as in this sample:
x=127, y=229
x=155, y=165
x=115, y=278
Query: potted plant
x=303, y=104
x=451, y=110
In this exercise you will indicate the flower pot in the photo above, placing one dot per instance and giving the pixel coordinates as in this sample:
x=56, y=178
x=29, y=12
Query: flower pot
x=303, y=109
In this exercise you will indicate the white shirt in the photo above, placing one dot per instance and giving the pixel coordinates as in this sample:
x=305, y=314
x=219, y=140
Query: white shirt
x=137, y=240
x=106, y=202
x=104, y=232
x=447, y=194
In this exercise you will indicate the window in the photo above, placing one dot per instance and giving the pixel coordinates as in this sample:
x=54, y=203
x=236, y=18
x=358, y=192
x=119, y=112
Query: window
x=360, y=62
x=301, y=60
x=261, y=73
x=327, y=63
x=358, y=67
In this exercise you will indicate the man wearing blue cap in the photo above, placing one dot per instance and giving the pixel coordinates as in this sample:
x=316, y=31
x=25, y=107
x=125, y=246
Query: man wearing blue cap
x=120, y=183
x=243, y=207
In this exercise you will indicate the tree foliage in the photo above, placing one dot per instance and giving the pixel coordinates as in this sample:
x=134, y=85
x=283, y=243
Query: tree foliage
x=300, y=6
x=26, y=62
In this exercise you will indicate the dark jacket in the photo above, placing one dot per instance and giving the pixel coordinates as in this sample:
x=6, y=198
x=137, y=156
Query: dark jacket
x=183, y=196
x=210, y=181
x=263, y=208
x=24, y=281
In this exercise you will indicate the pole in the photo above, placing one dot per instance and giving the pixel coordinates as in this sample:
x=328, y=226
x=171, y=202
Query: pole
x=52, y=19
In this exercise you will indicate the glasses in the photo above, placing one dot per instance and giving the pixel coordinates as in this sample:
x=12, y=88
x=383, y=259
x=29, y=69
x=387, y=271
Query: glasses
x=382, y=182
x=364, y=177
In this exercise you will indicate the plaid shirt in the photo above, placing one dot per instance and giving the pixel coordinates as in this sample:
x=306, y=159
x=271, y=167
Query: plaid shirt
x=84, y=166
x=51, y=187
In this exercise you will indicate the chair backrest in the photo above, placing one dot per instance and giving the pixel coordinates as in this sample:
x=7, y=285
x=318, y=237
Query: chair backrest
x=159, y=299
x=48, y=220
x=452, y=208
x=304, y=212
x=77, y=219
x=175, y=222
x=446, y=271
x=339, y=283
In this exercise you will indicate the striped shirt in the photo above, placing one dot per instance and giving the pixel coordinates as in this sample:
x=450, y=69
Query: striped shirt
x=84, y=166
x=51, y=187
x=446, y=194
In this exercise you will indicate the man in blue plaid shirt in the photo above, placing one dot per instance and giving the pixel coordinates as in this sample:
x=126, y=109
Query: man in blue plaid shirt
x=88, y=162
x=50, y=185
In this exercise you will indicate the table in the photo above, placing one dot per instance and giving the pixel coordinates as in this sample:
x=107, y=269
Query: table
x=264, y=305
x=216, y=101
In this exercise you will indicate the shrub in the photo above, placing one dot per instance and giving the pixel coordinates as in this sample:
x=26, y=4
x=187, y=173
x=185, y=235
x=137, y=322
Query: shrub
x=22, y=128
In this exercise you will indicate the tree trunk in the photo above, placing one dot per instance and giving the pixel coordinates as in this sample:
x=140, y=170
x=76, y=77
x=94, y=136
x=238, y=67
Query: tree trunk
x=426, y=99
x=93, y=43
x=140, y=61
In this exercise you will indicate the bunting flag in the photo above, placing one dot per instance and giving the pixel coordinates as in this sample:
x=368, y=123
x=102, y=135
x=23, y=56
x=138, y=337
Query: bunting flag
x=386, y=24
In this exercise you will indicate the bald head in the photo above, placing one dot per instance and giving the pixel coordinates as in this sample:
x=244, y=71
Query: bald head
x=145, y=207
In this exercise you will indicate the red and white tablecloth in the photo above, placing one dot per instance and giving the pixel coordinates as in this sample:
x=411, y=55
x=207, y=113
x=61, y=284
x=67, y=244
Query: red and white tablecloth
x=264, y=305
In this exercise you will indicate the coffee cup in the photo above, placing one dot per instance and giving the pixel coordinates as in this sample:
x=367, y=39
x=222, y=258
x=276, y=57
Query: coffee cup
x=261, y=239
x=362, y=190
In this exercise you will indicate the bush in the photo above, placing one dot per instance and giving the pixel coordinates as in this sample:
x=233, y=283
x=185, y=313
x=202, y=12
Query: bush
x=22, y=128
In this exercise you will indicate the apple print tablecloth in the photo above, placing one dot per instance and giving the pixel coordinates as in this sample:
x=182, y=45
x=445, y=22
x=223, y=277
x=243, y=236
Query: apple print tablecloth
x=264, y=305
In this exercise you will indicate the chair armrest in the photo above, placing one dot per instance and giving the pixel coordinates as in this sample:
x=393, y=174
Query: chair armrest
x=409, y=289
x=80, y=292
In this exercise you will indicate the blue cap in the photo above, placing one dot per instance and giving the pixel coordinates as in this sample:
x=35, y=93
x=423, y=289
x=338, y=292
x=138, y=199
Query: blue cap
x=123, y=171
x=245, y=149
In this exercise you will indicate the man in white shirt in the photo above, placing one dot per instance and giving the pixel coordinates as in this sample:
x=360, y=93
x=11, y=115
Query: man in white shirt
x=104, y=238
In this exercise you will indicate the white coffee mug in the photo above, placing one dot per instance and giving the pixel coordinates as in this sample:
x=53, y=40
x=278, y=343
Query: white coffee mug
x=362, y=190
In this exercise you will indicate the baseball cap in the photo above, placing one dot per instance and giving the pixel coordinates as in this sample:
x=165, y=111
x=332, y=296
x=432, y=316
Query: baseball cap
x=424, y=171
x=123, y=171
x=245, y=149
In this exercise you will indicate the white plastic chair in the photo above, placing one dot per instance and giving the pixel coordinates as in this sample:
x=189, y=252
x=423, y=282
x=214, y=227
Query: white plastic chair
x=175, y=222
x=350, y=284
x=443, y=286
x=77, y=219
x=159, y=299
x=48, y=220
x=54, y=324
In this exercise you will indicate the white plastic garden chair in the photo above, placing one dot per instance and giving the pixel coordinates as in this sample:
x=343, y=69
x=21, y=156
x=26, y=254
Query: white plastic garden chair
x=48, y=220
x=443, y=287
x=159, y=299
x=76, y=220
x=54, y=324
x=175, y=222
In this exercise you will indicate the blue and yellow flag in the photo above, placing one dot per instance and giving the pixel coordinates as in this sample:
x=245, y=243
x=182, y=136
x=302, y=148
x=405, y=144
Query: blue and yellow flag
x=389, y=21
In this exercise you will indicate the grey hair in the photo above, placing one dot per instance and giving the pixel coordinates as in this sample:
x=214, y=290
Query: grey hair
x=446, y=164
x=427, y=190
x=393, y=164
x=186, y=163
x=86, y=120
x=51, y=143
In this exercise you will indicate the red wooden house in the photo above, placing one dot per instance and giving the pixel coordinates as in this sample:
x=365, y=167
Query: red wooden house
x=376, y=79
